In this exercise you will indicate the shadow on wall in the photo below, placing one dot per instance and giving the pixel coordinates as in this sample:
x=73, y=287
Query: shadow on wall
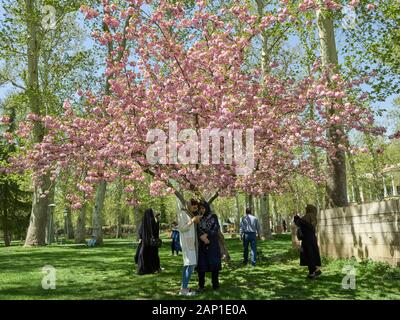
x=366, y=231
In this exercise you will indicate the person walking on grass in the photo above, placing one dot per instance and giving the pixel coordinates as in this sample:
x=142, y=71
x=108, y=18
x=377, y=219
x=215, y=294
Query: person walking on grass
x=175, y=239
x=309, y=251
x=187, y=220
x=249, y=230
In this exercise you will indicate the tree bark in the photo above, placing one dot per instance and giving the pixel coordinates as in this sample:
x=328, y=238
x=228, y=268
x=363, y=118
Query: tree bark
x=50, y=218
x=68, y=225
x=238, y=215
x=118, y=233
x=97, y=222
x=265, y=223
x=257, y=206
x=118, y=209
x=7, y=238
x=250, y=203
x=336, y=185
x=137, y=221
x=276, y=213
x=80, y=232
x=36, y=234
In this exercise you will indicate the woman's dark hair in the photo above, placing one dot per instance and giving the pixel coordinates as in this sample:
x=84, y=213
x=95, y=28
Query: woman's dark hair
x=194, y=202
x=311, y=214
x=206, y=206
x=311, y=209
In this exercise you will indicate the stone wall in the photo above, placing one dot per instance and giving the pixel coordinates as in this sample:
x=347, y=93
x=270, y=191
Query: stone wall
x=366, y=231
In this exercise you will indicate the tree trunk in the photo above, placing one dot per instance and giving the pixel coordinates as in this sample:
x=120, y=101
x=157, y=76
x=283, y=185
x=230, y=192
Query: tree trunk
x=276, y=213
x=250, y=203
x=50, y=218
x=36, y=234
x=118, y=233
x=7, y=238
x=238, y=215
x=69, y=228
x=265, y=223
x=80, y=232
x=336, y=186
x=257, y=206
x=97, y=212
x=137, y=221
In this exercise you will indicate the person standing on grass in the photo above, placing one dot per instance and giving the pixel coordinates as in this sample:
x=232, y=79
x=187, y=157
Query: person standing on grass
x=147, y=257
x=284, y=225
x=249, y=229
x=209, y=249
x=187, y=219
x=175, y=243
x=309, y=251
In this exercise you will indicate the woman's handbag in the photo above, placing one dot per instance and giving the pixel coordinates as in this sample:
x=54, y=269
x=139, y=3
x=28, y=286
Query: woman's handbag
x=222, y=246
x=155, y=242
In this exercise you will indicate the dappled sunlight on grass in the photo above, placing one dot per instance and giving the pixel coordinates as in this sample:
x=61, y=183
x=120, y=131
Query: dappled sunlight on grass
x=108, y=272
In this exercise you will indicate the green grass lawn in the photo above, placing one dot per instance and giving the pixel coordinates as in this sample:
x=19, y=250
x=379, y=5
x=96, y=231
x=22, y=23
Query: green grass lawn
x=108, y=272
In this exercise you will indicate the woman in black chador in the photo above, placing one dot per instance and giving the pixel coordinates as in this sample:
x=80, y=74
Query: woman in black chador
x=309, y=251
x=147, y=258
x=209, y=249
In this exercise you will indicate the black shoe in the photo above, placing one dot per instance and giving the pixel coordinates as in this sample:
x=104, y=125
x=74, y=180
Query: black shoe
x=318, y=273
x=311, y=276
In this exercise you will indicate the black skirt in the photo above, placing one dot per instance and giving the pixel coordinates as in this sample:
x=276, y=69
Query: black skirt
x=147, y=259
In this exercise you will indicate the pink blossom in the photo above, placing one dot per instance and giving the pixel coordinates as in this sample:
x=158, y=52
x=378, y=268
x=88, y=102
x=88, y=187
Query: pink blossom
x=5, y=119
x=371, y=6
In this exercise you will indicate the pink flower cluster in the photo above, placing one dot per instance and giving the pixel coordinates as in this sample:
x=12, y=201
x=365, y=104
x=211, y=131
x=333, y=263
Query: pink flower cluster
x=203, y=85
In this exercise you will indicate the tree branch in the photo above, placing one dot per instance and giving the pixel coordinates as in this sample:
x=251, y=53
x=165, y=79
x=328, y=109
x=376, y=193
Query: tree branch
x=4, y=80
x=215, y=196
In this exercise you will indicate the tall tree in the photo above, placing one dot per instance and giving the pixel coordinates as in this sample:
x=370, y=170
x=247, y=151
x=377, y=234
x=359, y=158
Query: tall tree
x=336, y=184
x=36, y=234
x=37, y=49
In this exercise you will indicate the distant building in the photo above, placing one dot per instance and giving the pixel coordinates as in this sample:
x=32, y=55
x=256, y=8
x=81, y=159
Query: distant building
x=389, y=185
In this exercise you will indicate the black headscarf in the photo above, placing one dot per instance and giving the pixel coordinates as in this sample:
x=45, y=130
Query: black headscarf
x=148, y=226
x=205, y=205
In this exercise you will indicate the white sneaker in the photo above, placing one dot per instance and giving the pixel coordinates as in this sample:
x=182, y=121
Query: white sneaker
x=187, y=293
